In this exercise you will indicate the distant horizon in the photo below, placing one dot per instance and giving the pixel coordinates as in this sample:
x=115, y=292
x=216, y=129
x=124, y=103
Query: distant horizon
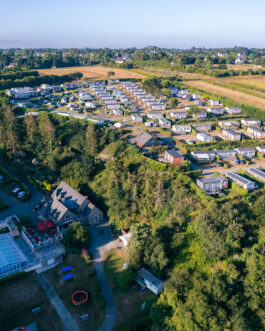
x=30, y=45
x=120, y=24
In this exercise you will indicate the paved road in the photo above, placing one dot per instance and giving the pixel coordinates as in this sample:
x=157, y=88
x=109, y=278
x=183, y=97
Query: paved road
x=103, y=115
x=62, y=311
x=101, y=242
x=16, y=207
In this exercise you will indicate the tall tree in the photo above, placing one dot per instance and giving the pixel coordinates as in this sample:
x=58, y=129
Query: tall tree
x=47, y=132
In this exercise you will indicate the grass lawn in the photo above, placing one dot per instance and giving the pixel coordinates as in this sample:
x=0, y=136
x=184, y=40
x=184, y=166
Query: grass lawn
x=18, y=296
x=84, y=279
x=128, y=301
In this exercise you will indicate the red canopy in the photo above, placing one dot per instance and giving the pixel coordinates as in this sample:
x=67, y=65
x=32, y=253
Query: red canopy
x=45, y=225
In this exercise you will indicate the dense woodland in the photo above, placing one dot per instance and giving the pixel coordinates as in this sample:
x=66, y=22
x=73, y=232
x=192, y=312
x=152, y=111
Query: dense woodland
x=19, y=78
x=210, y=251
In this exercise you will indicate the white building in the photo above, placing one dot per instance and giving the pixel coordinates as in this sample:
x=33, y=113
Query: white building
x=154, y=115
x=251, y=122
x=233, y=110
x=204, y=137
x=181, y=129
x=216, y=110
x=178, y=114
x=214, y=102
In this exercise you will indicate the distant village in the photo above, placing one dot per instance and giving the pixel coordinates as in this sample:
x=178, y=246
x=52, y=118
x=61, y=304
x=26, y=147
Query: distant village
x=194, y=121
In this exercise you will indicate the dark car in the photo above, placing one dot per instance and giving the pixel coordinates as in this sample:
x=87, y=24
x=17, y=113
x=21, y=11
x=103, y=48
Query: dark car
x=219, y=164
x=242, y=162
x=235, y=162
x=37, y=207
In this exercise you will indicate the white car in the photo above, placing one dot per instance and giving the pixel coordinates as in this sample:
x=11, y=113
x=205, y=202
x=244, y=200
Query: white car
x=21, y=194
x=190, y=142
x=16, y=190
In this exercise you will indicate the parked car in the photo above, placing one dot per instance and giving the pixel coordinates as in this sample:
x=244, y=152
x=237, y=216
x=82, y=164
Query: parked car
x=219, y=164
x=36, y=208
x=16, y=191
x=21, y=194
x=236, y=162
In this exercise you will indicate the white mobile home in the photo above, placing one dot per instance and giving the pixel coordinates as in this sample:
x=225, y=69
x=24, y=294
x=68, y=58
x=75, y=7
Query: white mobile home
x=181, y=129
x=255, y=133
x=251, y=122
x=240, y=180
x=178, y=114
x=204, y=137
x=215, y=110
x=231, y=135
x=233, y=110
x=148, y=280
x=214, y=102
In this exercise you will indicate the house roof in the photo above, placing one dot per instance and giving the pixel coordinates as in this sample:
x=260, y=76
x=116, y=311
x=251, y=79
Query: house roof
x=246, y=149
x=253, y=128
x=232, y=132
x=57, y=210
x=143, y=139
x=202, y=125
x=211, y=179
x=145, y=274
x=203, y=153
x=65, y=192
x=228, y=151
x=235, y=176
x=256, y=171
x=174, y=153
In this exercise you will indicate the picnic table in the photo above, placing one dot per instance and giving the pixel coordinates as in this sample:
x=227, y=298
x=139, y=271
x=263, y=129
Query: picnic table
x=68, y=268
x=68, y=276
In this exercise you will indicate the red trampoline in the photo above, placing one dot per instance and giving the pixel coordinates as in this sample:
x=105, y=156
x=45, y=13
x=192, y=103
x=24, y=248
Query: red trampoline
x=45, y=225
x=79, y=298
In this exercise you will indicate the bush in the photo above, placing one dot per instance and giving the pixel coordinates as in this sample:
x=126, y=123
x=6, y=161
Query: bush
x=76, y=235
x=126, y=277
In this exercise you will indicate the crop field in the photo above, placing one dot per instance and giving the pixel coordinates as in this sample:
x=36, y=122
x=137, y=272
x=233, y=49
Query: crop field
x=94, y=72
x=237, y=96
x=241, y=67
x=258, y=81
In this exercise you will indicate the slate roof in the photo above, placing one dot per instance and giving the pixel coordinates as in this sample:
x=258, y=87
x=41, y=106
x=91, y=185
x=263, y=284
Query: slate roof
x=174, y=153
x=66, y=192
x=211, y=179
x=58, y=210
x=143, y=139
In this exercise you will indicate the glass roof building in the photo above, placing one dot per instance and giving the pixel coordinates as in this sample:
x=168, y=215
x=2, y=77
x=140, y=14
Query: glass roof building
x=12, y=259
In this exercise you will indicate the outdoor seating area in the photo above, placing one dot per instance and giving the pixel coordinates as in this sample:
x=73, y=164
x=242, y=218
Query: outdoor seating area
x=69, y=275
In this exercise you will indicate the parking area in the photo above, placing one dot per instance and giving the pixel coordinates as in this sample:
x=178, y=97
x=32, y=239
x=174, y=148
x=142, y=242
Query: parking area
x=208, y=169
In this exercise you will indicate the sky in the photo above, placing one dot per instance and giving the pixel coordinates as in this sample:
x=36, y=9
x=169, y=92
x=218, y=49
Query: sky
x=134, y=23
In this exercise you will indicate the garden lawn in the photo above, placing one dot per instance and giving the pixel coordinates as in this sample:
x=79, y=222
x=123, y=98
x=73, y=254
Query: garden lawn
x=128, y=301
x=84, y=279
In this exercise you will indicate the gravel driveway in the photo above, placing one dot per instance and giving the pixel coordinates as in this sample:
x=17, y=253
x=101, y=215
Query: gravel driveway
x=101, y=242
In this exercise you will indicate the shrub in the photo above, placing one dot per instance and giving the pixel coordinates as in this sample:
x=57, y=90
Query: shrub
x=126, y=277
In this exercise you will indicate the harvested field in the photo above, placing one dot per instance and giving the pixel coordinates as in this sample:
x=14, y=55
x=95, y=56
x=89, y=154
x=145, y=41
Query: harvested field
x=258, y=81
x=241, y=67
x=237, y=96
x=93, y=72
